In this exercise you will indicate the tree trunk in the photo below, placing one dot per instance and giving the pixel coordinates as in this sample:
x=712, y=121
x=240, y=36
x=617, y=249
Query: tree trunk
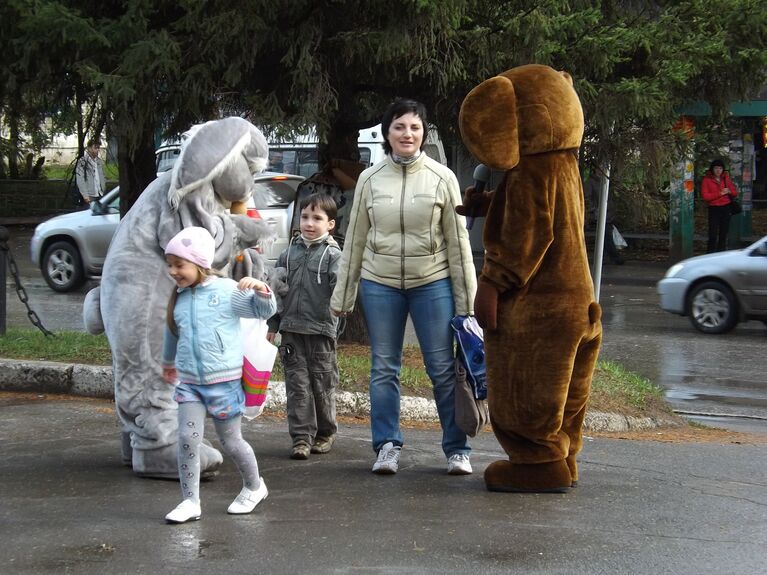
x=356, y=330
x=342, y=145
x=13, y=147
x=137, y=169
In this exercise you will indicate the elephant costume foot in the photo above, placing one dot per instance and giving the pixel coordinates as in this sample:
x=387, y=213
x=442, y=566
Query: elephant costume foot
x=163, y=463
x=552, y=477
x=126, y=449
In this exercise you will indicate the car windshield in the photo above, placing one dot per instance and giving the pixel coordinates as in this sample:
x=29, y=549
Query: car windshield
x=272, y=194
x=166, y=159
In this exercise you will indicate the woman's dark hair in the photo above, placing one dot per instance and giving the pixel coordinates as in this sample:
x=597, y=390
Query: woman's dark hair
x=93, y=142
x=716, y=163
x=321, y=201
x=400, y=108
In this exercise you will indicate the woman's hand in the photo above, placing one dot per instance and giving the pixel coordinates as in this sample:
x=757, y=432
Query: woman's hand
x=252, y=283
x=338, y=313
x=169, y=375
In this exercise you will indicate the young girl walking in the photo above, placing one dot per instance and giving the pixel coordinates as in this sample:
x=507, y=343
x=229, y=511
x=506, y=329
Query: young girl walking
x=203, y=353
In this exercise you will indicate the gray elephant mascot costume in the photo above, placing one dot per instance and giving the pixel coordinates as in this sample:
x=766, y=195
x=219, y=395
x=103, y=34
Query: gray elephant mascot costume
x=214, y=173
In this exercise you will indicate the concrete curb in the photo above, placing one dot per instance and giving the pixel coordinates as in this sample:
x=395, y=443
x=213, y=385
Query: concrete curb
x=96, y=381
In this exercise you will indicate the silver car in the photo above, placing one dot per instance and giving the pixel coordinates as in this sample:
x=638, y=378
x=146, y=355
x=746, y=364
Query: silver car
x=716, y=291
x=72, y=247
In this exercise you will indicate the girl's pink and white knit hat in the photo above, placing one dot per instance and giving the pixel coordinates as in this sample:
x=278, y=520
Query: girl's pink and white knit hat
x=194, y=244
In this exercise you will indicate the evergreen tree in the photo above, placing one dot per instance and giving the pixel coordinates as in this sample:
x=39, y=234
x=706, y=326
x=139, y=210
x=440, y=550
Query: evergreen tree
x=336, y=64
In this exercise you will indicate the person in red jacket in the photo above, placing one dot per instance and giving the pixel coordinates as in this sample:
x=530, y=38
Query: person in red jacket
x=717, y=191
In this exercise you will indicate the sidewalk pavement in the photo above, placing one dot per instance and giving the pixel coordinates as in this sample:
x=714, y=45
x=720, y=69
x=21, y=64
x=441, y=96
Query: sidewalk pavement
x=70, y=506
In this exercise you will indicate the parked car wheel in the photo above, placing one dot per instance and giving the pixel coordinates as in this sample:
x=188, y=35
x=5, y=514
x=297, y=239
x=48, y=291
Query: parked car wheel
x=62, y=267
x=712, y=308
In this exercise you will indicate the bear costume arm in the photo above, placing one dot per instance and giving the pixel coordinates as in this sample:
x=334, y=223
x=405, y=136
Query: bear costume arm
x=518, y=230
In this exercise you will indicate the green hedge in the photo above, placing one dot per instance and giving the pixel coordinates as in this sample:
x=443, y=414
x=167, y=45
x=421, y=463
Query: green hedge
x=32, y=198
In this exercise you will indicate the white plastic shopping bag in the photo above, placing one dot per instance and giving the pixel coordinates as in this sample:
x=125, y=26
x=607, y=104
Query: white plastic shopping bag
x=618, y=240
x=258, y=361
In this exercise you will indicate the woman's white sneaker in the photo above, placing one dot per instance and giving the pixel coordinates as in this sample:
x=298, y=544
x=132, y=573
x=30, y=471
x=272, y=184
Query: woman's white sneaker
x=247, y=500
x=459, y=464
x=387, y=462
x=185, y=511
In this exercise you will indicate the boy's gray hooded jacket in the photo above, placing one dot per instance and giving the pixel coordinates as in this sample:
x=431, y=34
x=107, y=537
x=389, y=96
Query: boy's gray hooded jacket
x=311, y=276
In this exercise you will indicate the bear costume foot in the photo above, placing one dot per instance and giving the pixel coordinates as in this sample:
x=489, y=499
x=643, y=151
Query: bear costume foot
x=505, y=476
x=163, y=463
x=572, y=465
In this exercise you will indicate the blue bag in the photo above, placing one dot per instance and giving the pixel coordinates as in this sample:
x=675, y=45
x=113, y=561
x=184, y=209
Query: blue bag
x=470, y=351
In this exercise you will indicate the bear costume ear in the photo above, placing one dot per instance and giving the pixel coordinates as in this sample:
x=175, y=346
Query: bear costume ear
x=488, y=123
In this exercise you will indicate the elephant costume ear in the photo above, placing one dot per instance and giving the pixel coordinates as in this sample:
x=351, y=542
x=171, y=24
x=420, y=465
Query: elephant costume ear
x=488, y=122
x=211, y=148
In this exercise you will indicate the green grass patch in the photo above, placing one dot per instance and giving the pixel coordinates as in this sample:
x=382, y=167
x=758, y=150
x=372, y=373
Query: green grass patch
x=63, y=171
x=354, y=370
x=64, y=346
x=56, y=171
x=614, y=388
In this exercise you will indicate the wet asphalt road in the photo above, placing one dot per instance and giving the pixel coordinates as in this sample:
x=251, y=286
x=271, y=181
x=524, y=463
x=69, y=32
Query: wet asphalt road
x=717, y=380
x=641, y=507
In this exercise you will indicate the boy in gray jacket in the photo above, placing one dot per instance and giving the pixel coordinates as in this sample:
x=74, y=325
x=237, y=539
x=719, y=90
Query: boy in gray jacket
x=308, y=329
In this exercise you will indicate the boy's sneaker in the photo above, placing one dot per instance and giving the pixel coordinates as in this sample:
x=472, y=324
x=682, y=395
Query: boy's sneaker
x=388, y=459
x=247, y=500
x=458, y=464
x=300, y=451
x=323, y=444
x=187, y=510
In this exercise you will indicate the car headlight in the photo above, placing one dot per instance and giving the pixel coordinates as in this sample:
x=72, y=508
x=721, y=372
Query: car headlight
x=673, y=270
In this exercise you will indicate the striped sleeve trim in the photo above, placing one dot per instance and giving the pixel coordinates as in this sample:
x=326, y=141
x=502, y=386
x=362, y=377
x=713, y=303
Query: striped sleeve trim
x=252, y=303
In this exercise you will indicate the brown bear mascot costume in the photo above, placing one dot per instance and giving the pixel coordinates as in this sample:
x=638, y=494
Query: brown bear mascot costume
x=535, y=298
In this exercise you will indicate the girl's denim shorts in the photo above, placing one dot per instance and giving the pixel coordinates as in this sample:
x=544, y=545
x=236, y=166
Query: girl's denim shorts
x=222, y=400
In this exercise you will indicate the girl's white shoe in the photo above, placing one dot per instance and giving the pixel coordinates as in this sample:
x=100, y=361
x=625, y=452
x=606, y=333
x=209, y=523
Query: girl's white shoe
x=247, y=500
x=185, y=511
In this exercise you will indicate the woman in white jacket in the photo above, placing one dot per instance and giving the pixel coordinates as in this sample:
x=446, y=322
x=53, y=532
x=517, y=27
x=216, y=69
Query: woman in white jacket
x=408, y=250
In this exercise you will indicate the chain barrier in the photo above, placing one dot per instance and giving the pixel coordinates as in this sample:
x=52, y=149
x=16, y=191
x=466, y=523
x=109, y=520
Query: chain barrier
x=21, y=292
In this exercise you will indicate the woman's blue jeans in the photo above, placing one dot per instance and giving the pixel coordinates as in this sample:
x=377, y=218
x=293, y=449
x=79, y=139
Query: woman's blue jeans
x=431, y=308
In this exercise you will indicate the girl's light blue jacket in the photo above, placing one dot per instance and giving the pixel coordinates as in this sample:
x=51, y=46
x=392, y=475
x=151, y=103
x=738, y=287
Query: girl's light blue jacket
x=208, y=348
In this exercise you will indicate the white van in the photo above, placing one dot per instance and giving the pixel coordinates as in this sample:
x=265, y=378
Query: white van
x=299, y=156
x=166, y=155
